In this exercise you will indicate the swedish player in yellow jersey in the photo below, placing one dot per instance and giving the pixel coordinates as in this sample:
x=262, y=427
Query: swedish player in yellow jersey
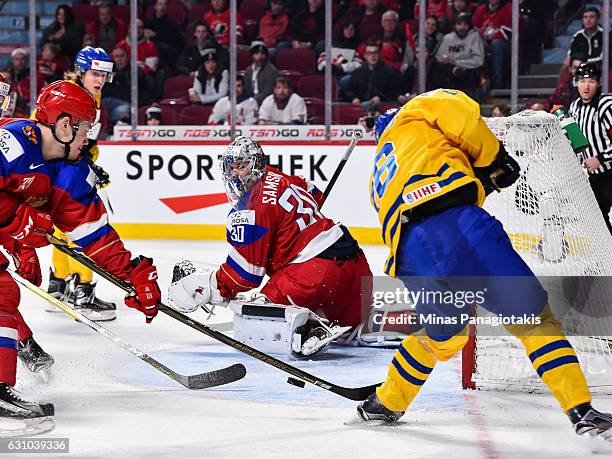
x=69, y=280
x=436, y=162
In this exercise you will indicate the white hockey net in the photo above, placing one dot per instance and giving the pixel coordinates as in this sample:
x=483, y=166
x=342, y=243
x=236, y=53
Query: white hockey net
x=555, y=224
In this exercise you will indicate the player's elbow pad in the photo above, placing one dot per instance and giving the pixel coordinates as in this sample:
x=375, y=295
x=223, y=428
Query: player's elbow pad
x=502, y=172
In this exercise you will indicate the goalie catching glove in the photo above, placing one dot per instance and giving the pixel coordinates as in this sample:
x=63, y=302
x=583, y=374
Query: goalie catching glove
x=147, y=293
x=502, y=172
x=193, y=287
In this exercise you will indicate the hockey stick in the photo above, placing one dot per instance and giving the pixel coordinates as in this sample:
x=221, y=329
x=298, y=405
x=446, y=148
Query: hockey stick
x=199, y=381
x=357, y=135
x=357, y=393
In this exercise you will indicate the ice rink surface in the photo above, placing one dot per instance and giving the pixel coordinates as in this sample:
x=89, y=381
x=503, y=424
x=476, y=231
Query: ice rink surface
x=112, y=405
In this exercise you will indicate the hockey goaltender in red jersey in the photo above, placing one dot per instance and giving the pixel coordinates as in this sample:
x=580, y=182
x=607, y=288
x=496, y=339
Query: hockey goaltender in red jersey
x=276, y=228
x=42, y=185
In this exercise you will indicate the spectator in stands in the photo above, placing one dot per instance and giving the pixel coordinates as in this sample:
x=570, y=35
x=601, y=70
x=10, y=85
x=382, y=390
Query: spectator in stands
x=274, y=24
x=116, y=94
x=500, y=110
x=190, y=59
x=218, y=20
x=50, y=64
x=153, y=116
x=589, y=39
x=375, y=81
x=392, y=41
x=307, y=29
x=246, y=107
x=537, y=105
x=260, y=76
x=345, y=58
x=565, y=92
x=165, y=33
x=65, y=32
x=494, y=21
x=283, y=106
x=211, y=81
x=433, y=39
x=534, y=14
x=459, y=59
x=369, y=19
x=89, y=39
x=20, y=76
x=19, y=64
x=435, y=8
x=108, y=30
x=456, y=7
x=148, y=56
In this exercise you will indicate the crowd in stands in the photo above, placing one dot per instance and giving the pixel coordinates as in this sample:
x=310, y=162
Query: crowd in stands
x=183, y=59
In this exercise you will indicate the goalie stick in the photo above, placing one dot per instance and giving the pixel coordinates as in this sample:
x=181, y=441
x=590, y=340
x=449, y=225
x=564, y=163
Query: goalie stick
x=199, y=381
x=356, y=393
x=357, y=135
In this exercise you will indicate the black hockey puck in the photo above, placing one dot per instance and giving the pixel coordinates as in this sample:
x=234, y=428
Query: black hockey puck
x=296, y=382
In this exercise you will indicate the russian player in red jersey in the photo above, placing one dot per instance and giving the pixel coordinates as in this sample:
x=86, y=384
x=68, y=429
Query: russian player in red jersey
x=276, y=228
x=42, y=184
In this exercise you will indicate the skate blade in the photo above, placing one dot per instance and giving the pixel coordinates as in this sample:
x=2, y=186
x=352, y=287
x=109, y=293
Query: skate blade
x=358, y=421
x=96, y=316
x=10, y=428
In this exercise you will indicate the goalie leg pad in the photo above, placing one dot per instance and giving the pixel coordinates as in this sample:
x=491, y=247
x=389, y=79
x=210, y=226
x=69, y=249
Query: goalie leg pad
x=269, y=328
x=279, y=329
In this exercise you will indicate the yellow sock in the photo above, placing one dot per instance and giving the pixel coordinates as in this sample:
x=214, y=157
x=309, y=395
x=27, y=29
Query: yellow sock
x=412, y=363
x=61, y=267
x=554, y=359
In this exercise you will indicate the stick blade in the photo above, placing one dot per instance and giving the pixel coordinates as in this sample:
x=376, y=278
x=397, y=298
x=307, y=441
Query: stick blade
x=217, y=377
x=358, y=393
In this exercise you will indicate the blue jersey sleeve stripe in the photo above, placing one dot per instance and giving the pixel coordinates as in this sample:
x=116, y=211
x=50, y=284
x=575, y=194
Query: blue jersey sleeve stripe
x=414, y=362
x=447, y=181
x=417, y=178
x=556, y=363
x=454, y=176
x=8, y=343
x=407, y=376
x=559, y=344
x=93, y=237
x=252, y=278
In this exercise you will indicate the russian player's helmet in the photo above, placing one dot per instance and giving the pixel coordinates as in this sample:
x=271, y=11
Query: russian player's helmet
x=382, y=121
x=5, y=93
x=243, y=163
x=588, y=70
x=64, y=98
x=90, y=58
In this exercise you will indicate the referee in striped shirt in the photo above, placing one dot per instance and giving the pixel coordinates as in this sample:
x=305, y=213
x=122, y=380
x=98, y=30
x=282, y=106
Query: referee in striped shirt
x=593, y=113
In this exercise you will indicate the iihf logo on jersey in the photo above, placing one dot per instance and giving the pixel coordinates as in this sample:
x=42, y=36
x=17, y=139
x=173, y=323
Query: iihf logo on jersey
x=30, y=133
x=422, y=193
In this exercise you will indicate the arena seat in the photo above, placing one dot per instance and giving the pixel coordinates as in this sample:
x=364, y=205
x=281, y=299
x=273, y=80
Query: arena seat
x=315, y=108
x=177, y=87
x=347, y=113
x=299, y=60
x=195, y=115
x=314, y=86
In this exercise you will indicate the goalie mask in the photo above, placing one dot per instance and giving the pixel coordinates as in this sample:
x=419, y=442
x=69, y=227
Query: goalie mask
x=242, y=164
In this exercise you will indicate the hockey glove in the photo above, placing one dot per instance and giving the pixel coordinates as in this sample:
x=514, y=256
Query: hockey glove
x=24, y=258
x=144, y=281
x=502, y=173
x=29, y=226
x=193, y=287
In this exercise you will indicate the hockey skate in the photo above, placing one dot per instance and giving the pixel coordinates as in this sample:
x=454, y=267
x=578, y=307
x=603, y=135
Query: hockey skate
x=19, y=417
x=586, y=419
x=84, y=299
x=373, y=411
x=58, y=288
x=35, y=358
x=322, y=334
